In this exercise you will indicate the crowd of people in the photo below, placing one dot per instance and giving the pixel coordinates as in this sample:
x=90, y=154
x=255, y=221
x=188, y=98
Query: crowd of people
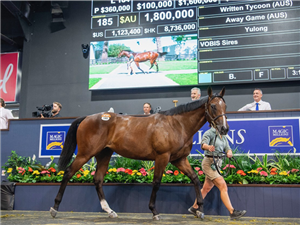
x=257, y=104
x=6, y=114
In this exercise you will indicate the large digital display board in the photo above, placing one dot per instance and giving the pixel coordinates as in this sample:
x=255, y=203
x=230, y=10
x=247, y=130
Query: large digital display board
x=196, y=42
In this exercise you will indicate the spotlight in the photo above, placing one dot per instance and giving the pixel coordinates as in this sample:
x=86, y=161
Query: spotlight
x=85, y=50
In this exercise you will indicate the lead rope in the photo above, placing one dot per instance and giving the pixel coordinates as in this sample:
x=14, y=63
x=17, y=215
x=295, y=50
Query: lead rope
x=224, y=155
x=213, y=154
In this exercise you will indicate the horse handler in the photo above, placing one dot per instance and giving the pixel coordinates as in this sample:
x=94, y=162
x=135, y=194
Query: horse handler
x=129, y=64
x=215, y=143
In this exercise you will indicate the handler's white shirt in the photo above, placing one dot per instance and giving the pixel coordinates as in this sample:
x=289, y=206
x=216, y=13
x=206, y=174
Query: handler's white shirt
x=252, y=106
x=5, y=115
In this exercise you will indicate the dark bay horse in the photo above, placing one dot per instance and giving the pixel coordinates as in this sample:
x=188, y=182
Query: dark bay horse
x=164, y=137
x=142, y=57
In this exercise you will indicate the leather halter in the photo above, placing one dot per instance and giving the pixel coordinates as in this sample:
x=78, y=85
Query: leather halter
x=212, y=120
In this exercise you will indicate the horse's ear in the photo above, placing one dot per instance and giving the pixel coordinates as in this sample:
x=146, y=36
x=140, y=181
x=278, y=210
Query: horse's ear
x=209, y=91
x=222, y=92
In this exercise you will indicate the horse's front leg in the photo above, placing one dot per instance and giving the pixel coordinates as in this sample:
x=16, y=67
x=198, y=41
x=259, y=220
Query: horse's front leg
x=138, y=66
x=184, y=165
x=102, y=164
x=161, y=162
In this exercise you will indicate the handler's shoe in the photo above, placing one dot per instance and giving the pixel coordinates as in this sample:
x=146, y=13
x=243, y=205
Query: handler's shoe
x=196, y=212
x=193, y=211
x=237, y=214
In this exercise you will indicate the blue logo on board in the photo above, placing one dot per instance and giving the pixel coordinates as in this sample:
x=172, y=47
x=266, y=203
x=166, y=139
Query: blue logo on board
x=281, y=136
x=55, y=140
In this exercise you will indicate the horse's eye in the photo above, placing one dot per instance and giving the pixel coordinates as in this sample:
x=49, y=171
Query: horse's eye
x=213, y=107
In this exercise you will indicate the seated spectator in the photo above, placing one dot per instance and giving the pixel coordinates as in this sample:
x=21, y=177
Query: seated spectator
x=147, y=108
x=5, y=115
x=195, y=93
x=258, y=104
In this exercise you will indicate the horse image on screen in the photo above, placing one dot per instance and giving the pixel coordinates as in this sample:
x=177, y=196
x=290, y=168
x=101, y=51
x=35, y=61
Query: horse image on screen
x=142, y=57
x=144, y=62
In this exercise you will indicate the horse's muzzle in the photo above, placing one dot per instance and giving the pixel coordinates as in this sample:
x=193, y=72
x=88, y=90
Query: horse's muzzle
x=223, y=130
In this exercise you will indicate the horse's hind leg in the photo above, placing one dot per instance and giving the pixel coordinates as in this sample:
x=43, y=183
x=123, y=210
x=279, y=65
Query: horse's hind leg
x=152, y=63
x=70, y=171
x=102, y=163
x=160, y=164
x=184, y=165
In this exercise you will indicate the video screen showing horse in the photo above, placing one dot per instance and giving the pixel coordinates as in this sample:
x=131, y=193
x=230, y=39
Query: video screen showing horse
x=143, y=62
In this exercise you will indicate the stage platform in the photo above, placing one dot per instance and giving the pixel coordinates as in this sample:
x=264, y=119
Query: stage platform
x=17, y=217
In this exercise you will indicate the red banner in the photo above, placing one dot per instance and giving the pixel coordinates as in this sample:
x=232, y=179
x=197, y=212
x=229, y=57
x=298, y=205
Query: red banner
x=9, y=76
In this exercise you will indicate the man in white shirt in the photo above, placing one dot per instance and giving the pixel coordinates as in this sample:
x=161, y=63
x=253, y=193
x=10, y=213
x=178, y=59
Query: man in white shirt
x=5, y=115
x=258, y=104
x=195, y=93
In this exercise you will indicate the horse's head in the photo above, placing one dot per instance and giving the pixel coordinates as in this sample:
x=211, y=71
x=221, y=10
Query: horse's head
x=215, y=109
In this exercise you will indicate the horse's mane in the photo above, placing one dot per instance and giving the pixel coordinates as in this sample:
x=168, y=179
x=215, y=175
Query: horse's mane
x=190, y=106
x=128, y=51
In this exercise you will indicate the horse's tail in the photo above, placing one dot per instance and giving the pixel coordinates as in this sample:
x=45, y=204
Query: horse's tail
x=162, y=53
x=70, y=144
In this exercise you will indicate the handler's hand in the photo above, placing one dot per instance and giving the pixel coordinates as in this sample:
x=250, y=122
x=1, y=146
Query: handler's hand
x=229, y=153
x=211, y=148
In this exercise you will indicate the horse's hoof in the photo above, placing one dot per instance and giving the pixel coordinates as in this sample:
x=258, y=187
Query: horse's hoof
x=53, y=212
x=156, y=217
x=200, y=214
x=112, y=214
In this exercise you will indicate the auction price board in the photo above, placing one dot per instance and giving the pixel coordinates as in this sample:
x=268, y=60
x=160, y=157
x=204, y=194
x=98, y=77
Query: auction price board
x=151, y=18
x=237, y=41
x=248, y=41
